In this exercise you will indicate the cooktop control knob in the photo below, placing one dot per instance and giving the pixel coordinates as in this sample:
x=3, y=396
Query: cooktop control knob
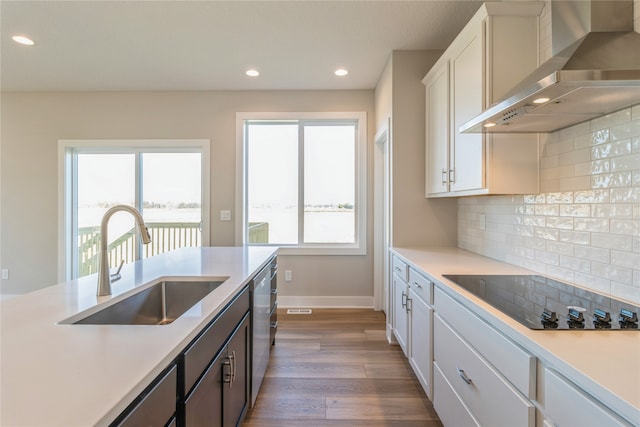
x=549, y=319
x=628, y=319
x=601, y=319
x=575, y=319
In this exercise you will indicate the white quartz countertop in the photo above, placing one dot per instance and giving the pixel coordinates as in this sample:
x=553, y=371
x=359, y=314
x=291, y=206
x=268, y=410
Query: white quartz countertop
x=606, y=363
x=55, y=374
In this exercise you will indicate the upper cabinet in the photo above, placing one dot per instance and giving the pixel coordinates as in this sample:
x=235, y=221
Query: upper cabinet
x=494, y=51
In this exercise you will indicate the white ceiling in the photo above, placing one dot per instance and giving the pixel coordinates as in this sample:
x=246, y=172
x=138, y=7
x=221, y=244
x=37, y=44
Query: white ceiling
x=208, y=45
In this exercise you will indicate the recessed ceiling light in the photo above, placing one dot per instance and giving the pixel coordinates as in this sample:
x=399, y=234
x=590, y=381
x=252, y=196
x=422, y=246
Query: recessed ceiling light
x=341, y=72
x=540, y=100
x=489, y=125
x=252, y=73
x=23, y=40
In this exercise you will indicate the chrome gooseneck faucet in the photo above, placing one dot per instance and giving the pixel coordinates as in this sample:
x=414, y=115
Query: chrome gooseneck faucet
x=104, y=278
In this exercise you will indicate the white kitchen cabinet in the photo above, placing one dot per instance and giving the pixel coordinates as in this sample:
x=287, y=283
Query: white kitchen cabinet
x=400, y=313
x=495, y=50
x=565, y=405
x=437, y=121
x=412, y=319
x=481, y=388
x=420, y=352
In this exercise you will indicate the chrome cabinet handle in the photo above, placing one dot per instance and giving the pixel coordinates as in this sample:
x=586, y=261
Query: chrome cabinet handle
x=404, y=301
x=444, y=176
x=463, y=375
x=418, y=285
x=452, y=172
x=228, y=377
x=232, y=360
x=409, y=304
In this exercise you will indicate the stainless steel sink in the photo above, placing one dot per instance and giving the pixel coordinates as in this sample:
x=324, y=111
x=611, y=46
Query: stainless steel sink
x=159, y=304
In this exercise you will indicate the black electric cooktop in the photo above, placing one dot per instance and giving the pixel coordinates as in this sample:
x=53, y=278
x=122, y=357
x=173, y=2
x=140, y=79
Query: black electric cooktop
x=541, y=303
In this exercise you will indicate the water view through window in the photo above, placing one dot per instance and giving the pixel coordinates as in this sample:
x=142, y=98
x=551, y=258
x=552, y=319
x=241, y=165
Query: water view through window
x=166, y=187
x=301, y=182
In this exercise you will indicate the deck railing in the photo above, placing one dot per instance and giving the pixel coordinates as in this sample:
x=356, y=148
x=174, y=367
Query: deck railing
x=165, y=236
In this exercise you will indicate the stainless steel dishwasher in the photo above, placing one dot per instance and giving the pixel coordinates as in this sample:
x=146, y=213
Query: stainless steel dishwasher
x=262, y=324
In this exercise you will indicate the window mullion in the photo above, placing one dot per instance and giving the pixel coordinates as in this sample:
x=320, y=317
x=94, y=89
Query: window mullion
x=73, y=214
x=138, y=200
x=301, y=183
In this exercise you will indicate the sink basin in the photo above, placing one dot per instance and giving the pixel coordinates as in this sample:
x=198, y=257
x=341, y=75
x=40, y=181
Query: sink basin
x=159, y=304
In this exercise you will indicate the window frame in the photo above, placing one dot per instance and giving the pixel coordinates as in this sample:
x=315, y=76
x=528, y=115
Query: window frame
x=360, y=245
x=67, y=188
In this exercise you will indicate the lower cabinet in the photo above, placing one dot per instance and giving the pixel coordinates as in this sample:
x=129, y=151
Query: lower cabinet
x=566, y=405
x=221, y=396
x=420, y=354
x=412, y=317
x=480, y=388
x=400, y=313
x=156, y=406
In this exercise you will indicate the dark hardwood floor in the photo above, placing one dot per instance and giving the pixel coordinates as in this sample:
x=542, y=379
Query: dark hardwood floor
x=335, y=368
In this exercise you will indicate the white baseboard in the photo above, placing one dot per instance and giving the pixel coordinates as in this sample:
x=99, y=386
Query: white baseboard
x=324, y=302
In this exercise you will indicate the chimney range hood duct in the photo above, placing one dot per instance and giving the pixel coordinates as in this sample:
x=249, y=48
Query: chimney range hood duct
x=594, y=70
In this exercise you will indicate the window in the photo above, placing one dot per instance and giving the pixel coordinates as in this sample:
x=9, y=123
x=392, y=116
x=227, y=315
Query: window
x=303, y=181
x=165, y=180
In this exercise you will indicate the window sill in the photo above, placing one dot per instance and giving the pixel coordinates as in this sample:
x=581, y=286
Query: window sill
x=322, y=250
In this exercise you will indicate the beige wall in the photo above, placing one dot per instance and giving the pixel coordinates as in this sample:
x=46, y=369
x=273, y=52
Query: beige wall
x=416, y=221
x=32, y=124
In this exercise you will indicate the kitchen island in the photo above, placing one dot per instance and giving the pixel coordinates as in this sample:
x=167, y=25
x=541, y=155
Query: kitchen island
x=56, y=374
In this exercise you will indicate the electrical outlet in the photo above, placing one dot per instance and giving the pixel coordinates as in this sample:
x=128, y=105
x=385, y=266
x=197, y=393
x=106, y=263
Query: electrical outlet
x=288, y=276
x=5, y=274
x=225, y=215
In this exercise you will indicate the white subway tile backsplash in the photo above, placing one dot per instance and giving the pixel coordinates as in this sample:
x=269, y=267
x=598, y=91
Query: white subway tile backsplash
x=627, y=227
x=611, y=149
x=575, y=237
x=625, y=259
x=610, y=241
x=598, y=225
x=591, y=196
x=583, y=210
x=575, y=264
x=584, y=227
x=611, y=272
x=623, y=211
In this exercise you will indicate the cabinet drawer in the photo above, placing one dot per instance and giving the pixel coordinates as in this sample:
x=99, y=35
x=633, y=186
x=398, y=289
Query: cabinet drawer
x=157, y=406
x=567, y=406
x=204, y=349
x=489, y=397
x=447, y=403
x=400, y=268
x=422, y=286
x=517, y=365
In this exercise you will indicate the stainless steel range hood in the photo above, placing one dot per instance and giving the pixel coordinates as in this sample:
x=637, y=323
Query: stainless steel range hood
x=595, y=70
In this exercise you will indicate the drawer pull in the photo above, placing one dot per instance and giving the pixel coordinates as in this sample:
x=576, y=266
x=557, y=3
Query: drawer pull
x=418, y=285
x=463, y=375
x=397, y=269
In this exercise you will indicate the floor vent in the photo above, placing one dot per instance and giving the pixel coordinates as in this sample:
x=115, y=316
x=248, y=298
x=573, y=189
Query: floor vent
x=299, y=311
